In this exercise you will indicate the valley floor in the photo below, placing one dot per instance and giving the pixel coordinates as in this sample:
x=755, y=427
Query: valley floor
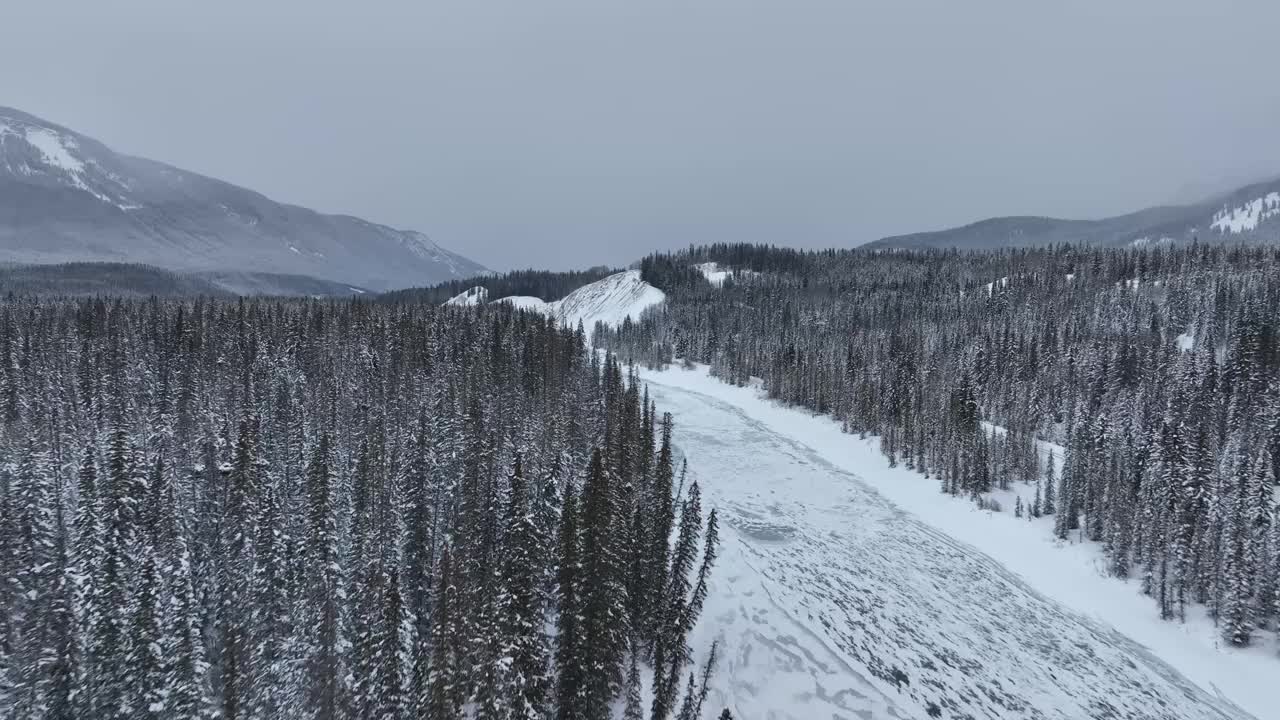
x=848, y=589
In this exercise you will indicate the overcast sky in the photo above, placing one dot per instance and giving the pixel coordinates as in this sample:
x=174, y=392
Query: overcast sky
x=557, y=133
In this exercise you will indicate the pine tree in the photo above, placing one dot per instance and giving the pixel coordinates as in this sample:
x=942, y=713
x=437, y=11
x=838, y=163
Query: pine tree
x=662, y=512
x=146, y=663
x=682, y=600
x=633, y=709
x=444, y=684
x=325, y=671
x=1237, y=589
x=35, y=579
x=271, y=626
x=239, y=523
x=187, y=692
x=85, y=558
x=570, y=662
x=520, y=606
x=388, y=699
x=60, y=664
x=108, y=680
x=603, y=599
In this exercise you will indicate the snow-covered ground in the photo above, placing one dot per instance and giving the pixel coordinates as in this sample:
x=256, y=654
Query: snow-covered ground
x=610, y=300
x=714, y=273
x=1246, y=217
x=472, y=296
x=717, y=274
x=526, y=302
x=848, y=589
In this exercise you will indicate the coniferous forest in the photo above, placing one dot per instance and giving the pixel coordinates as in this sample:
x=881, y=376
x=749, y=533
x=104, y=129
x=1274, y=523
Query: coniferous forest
x=1154, y=372
x=313, y=509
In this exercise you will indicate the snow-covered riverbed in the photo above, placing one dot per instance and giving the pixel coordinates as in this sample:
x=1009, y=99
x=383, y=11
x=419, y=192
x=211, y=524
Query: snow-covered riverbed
x=832, y=601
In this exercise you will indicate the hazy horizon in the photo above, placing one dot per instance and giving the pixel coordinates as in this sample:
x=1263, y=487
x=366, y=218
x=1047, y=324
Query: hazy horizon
x=575, y=134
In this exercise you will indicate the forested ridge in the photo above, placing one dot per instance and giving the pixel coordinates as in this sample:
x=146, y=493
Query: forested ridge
x=1156, y=369
x=314, y=509
x=544, y=284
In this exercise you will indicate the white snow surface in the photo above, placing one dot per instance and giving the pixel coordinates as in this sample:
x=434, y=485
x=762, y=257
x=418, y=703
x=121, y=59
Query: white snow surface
x=714, y=273
x=526, y=302
x=55, y=149
x=473, y=296
x=835, y=569
x=1246, y=217
x=610, y=300
x=57, y=152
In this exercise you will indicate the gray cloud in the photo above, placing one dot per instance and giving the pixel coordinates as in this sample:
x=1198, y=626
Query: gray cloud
x=563, y=133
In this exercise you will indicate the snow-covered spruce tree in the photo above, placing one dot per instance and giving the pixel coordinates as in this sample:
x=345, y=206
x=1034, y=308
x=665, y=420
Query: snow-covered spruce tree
x=270, y=653
x=682, y=601
x=444, y=689
x=235, y=652
x=35, y=578
x=105, y=670
x=145, y=662
x=326, y=691
x=85, y=556
x=602, y=601
x=520, y=619
x=661, y=511
x=60, y=664
x=570, y=662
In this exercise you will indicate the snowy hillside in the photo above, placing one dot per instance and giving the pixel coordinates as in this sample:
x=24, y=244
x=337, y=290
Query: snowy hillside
x=473, y=296
x=717, y=274
x=65, y=197
x=713, y=273
x=850, y=589
x=526, y=302
x=610, y=300
x=1242, y=218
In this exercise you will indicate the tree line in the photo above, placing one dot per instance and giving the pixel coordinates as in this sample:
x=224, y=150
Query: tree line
x=544, y=284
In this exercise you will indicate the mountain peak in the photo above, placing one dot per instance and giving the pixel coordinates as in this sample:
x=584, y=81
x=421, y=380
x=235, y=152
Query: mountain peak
x=65, y=197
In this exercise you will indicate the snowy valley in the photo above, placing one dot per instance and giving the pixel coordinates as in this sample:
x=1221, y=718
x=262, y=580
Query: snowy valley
x=695, y=361
x=849, y=589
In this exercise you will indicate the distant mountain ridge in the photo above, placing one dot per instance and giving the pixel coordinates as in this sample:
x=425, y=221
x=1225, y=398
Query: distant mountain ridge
x=1250, y=214
x=95, y=279
x=65, y=197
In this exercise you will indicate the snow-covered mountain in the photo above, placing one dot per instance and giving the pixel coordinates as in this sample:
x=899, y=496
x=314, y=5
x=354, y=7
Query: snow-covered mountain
x=1249, y=214
x=610, y=300
x=65, y=197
